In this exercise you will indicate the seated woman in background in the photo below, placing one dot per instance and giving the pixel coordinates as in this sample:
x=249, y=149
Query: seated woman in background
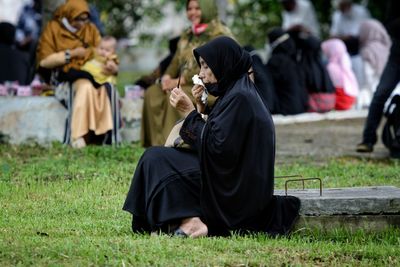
x=65, y=44
x=226, y=182
x=290, y=93
x=262, y=78
x=375, y=46
x=158, y=116
x=341, y=73
x=14, y=64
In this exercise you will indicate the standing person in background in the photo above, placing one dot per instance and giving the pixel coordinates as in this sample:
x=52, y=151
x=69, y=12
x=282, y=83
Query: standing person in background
x=387, y=83
x=341, y=73
x=158, y=116
x=374, y=50
x=299, y=15
x=64, y=45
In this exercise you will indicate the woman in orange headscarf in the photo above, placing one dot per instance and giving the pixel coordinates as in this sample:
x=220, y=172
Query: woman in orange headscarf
x=65, y=44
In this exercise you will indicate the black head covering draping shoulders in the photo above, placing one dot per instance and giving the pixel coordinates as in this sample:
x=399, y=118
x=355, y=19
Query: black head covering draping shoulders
x=227, y=60
x=237, y=144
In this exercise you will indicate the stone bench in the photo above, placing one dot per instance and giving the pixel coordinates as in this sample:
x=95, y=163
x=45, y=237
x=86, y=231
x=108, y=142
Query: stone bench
x=368, y=208
x=42, y=119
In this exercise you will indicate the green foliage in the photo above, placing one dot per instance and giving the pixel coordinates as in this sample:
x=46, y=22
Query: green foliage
x=121, y=17
x=118, y=17
x=252, y=19
x=62, y=207
x=249, y=20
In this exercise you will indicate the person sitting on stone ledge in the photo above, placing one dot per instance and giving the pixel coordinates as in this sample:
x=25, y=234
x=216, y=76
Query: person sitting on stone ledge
x=63, y=45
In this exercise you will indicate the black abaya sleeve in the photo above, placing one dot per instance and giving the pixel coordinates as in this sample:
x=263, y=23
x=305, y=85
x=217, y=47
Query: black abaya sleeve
x=191, y=130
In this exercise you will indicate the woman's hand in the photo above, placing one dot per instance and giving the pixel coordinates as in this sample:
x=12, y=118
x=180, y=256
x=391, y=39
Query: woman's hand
x=197, y=92
x=110, y=68
x=181, y=101
x=78, y=52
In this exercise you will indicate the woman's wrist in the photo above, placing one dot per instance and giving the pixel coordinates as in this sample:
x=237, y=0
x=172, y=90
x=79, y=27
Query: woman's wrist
x=67, y=56
x=189, y=111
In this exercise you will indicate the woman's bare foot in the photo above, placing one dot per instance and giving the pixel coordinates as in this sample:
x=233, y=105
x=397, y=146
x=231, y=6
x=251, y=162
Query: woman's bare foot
x=79, y=143
x=194, y=227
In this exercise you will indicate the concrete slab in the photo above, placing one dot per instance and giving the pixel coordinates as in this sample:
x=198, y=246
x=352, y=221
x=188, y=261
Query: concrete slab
x=42, y=119
x=31, y=119
x=348, y=201
x=371, y=209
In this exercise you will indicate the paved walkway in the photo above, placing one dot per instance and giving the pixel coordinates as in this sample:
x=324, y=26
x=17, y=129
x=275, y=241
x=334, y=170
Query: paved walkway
x=323, y=139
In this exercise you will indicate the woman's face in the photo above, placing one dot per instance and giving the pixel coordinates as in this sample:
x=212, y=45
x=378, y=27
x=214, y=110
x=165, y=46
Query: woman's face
x=80, y=21
x=193, y=12
x=206, y=74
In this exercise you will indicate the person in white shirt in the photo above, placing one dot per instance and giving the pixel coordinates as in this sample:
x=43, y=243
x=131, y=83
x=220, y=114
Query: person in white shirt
x=299, y=15
x=347, y=18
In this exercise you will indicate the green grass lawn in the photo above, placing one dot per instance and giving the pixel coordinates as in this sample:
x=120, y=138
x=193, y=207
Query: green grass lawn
x=63, y=207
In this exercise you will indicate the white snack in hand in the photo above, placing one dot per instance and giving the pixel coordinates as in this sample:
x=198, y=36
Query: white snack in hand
x=197, y=80
x=204, y=95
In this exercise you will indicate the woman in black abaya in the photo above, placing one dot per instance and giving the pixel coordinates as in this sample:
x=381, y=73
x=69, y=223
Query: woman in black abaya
x=226, y=182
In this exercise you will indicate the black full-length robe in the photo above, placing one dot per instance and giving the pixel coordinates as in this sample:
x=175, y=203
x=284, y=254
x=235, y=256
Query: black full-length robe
x=228, y=182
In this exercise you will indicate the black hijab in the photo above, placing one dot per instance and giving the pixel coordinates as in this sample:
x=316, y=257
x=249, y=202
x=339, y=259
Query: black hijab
x=227, y=60
x=281, y=42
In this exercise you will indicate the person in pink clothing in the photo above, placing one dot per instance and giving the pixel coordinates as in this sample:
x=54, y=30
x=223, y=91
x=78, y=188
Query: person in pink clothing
x=341, y=73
